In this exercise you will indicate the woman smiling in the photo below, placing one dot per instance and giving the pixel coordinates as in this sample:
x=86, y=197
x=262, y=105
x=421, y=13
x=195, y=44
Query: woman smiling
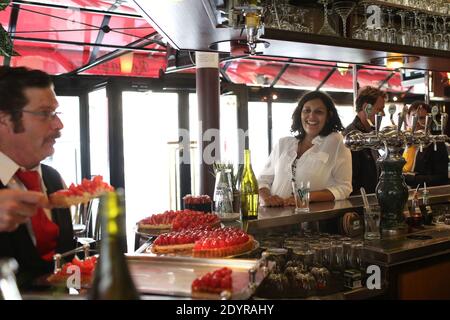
x=316, y=154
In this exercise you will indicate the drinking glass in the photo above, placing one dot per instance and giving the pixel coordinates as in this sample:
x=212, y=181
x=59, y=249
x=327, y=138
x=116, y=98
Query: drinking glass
x=337, y=262
x=391, y=32
x=372, y=217
x=403, y=36
x=8, y=284
x=302, y=198
x=326, y=28
x=343, y=9
x=356, y=255
x=223, y=193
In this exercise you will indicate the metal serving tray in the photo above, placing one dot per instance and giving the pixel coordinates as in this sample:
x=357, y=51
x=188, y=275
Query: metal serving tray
x=173, y=276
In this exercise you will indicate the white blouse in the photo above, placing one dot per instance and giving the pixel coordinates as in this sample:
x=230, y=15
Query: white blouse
x=327, y=165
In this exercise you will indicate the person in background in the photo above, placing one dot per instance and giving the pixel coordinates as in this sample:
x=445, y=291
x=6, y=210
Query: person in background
x=428, y=166
x=364, y=165
x=29, y=127
x=316, y=154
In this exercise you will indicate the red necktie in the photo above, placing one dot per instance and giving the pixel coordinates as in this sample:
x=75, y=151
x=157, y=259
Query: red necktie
x=45, y=230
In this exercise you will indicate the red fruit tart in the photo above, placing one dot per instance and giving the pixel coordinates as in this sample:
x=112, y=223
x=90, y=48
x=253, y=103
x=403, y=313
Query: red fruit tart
x=82, y=193
x=204, y=242
x=181, y=242
x=223, y=242
x=86, y=269
x=178, y=220
x=213, y=282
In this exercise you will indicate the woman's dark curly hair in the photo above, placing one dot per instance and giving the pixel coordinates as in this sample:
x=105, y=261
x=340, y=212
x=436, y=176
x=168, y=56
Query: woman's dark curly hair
x=13, y=82
x=333, y=123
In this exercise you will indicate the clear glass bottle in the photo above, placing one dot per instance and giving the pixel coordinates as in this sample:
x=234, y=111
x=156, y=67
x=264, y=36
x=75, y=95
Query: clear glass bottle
x=112, y=279
x=248, y=188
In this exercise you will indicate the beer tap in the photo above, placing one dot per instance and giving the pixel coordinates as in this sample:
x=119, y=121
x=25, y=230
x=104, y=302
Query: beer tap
x=401, y=120
x=368, y=109
x=434, y=113
x=444, y=119
x=378, y=118
x=391, y=191
x=414, y=124
x=428, y=120
x=392, y=108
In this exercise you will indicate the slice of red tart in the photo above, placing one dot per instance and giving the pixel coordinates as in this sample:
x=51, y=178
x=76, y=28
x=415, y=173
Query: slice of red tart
x=81, y=193
x=213, y=282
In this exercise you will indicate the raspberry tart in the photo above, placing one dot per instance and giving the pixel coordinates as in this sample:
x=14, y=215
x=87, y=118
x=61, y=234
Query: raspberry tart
x=204, y=242
x=82, y=193
x=180, y=242
x=86, y=267
x=178, y=220
x=223, y=242
x=213, y=282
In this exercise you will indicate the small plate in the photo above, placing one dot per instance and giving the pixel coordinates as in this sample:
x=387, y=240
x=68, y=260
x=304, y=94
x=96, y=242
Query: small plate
x=230, y=217
x=149, y=232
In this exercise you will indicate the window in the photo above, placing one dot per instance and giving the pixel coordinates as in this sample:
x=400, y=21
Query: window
x=281, y=120
x=150, y=134
x=228, y=134
x=98, y=133
x=258, y=137
x=66, y=158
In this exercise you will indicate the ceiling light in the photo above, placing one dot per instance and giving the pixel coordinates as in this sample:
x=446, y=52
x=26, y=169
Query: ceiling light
x=274, y=96
x=342, y=68
x=395, y=98
x=126, y=62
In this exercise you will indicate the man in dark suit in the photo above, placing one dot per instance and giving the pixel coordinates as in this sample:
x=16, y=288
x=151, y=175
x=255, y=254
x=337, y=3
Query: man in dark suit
x=365, y=172
x=29, y=126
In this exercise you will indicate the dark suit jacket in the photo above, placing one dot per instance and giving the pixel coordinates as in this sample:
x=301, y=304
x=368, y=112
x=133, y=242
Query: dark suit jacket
x=364, y=168
x=430, y=167
x=18, y=244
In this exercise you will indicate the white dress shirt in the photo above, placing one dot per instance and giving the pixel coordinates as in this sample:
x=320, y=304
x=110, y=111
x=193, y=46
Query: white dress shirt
x=327, y=165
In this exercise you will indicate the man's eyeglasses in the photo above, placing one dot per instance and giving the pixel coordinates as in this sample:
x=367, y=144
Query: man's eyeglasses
x=48, y=115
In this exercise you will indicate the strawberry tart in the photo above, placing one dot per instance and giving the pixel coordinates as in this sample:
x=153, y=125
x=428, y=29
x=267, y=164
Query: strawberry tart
x=213, y=282
x=82, y=193
x=204, y=242
x=86, y=269
x=178, y=220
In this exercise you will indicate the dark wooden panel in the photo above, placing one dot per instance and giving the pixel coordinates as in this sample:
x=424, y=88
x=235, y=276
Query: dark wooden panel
x=187, y=26
x=317, y=47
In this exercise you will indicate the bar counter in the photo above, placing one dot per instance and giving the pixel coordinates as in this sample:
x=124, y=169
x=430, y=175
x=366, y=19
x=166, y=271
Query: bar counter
x=413, y=265
x=276, y=217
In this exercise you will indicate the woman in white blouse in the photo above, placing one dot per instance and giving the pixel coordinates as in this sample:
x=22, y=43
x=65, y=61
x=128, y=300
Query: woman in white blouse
x=316, y=154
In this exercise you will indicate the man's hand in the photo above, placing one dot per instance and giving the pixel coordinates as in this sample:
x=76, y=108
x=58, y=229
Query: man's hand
x=17, y=206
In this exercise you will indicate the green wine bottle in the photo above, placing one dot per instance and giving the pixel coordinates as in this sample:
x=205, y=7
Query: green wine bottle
x=248, y=188
x=112, y=280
